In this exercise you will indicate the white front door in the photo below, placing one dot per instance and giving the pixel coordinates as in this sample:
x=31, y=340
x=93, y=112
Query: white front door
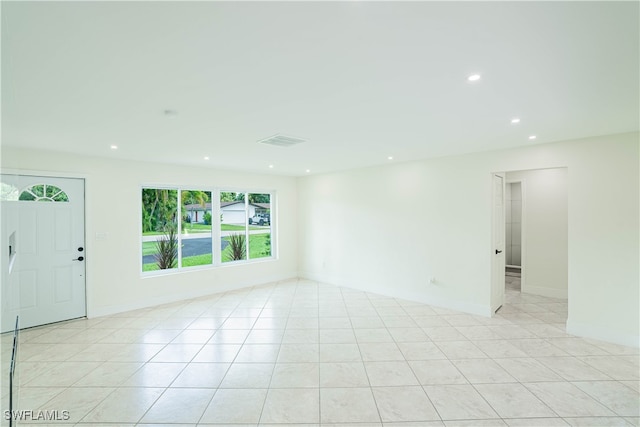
x=43, y=250
x=498, y=244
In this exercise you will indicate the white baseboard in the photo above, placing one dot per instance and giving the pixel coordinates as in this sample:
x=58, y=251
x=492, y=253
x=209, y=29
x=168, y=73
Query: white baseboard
x=165, y=299
x=600, y=333
x=451, y=304
x=545, y=292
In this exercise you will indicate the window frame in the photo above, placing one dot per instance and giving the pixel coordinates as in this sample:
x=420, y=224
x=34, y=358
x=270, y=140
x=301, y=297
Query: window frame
x=216, y=236
x=247, y=232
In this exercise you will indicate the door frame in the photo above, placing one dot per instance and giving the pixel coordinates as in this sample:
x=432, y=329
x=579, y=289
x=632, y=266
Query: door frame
x=87, y=226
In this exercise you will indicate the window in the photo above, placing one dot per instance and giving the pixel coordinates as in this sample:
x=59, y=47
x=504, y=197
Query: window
x=233, y=226
x=159, y=229
x=44, y=193
x=259, y=225
x=196, y=228
x=178, y=227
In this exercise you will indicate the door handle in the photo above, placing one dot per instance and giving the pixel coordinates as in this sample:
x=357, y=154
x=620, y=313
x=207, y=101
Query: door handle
x=497, y=252
x=80, y=258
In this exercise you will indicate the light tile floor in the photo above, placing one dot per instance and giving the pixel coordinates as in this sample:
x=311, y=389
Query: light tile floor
x=303, y=353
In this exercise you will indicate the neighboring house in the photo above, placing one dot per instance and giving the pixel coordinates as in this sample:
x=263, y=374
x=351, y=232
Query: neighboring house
x=196, y=211
x=232, y=212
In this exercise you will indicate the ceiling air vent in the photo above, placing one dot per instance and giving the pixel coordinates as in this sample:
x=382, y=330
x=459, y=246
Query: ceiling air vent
x=281, y=140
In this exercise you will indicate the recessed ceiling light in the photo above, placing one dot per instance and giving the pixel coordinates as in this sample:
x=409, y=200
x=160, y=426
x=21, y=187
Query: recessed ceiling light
x=206, y=157
x=515, y=120
x=114, y=147
x=390, y=157
x=308, y=170
x=270, y=166
x=532, y=137
x=474, y=77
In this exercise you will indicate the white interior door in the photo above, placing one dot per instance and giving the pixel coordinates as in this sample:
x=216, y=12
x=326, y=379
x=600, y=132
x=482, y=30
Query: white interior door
x=498, y=243
x=43, y=256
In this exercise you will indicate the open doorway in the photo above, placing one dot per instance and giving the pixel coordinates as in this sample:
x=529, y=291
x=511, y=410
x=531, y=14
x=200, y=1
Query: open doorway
x=513, y=236
x=535, y=227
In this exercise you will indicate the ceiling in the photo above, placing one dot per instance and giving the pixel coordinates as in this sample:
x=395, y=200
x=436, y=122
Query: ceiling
x=359, y=81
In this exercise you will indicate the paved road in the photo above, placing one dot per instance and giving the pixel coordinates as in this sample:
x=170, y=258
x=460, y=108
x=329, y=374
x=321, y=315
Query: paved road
x=191, y=247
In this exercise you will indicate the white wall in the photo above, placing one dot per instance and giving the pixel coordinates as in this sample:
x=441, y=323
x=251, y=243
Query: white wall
x=545, y=228
x=349, y=234
x=114, y=281
x=388, y=229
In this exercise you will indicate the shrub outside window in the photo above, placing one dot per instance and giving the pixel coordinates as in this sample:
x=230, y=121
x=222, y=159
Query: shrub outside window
x=233, y=226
